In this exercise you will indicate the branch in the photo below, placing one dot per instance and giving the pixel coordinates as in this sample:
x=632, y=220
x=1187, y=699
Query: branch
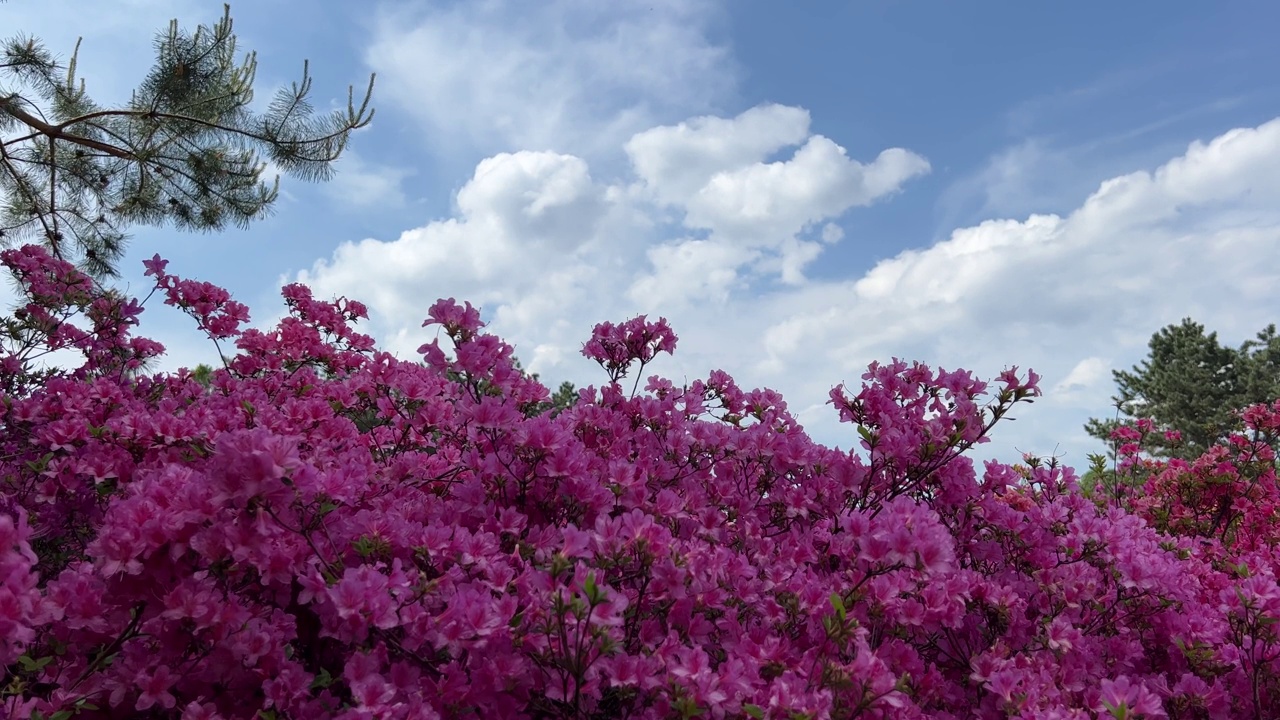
x=56, y=132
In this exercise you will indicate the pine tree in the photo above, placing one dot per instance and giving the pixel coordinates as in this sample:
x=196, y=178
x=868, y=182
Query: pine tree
x=1260, y=374
x=564, y=398
x=1193, y=384
x=186, y=149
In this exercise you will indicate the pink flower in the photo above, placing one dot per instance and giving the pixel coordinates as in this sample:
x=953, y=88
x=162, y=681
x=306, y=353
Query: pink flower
x=154, y=689
x=1123, y=698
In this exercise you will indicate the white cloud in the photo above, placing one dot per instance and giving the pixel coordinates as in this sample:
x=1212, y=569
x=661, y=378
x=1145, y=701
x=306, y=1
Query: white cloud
x=675, y=162
x=690, y=270
x=569, y=75
x=534, y=196
x=764, y=203
x=1056, y=171
x=717, y=172
x=513, y=246
x=1087, y=375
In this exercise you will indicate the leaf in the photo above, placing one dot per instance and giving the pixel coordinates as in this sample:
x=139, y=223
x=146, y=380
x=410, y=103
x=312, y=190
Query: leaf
x=30, y=664
x=323, y=680
x=837, y=602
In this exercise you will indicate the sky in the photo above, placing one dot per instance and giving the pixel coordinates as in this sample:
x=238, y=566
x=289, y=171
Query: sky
x=799, y=188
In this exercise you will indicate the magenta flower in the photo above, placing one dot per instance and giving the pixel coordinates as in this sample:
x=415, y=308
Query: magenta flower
x=154, y=689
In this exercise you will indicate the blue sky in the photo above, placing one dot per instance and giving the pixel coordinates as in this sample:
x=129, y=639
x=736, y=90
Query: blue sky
x=800, y=188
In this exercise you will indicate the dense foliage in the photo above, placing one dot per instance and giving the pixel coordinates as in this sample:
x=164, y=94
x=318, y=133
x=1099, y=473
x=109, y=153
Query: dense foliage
x=319, y=529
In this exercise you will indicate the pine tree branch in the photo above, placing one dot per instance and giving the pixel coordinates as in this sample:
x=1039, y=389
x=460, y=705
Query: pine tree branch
x=9, y=107
x=186, y=149
x=58, y=132
x=21, y=186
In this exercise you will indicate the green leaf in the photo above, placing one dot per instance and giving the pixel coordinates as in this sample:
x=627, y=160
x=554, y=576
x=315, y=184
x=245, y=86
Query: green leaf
x=837, y=602
x=594, y=594
x=323, y=680
x=30, y=664
x=38, y=466
x=754, y=711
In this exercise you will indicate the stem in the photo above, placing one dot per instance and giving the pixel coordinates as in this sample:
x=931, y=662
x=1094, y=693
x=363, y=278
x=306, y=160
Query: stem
x=114, y=647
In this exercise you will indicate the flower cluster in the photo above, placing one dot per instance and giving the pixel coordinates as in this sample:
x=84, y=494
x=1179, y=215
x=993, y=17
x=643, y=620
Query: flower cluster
x=55, y=293
x=1228, y=501
x=323, y=530
x=616, y=347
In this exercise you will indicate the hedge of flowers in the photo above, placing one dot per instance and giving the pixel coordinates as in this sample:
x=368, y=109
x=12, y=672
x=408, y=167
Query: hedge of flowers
x=322, y=530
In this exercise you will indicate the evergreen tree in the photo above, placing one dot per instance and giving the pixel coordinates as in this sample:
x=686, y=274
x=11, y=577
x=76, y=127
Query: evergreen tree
x=185, y=149
x=1193, y=384
x=564, y=398
x=1260, y=368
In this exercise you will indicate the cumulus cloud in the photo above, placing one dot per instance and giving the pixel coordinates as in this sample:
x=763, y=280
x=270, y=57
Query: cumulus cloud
x=691, y=270
x=718, y=173
x=674, y=162
x=539, y=196
x=762, y=202
x=569, y=75
x=519, y=213
x=1086, y=375
x=716, y=169
x=548, y=250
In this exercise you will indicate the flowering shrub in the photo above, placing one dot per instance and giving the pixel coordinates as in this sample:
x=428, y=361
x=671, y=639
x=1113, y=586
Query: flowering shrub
x=1228, y=495
x=1227, y=500
x=327, y=531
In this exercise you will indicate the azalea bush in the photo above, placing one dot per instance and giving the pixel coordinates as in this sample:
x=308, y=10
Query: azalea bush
x=1228, y=501
x=318, y=529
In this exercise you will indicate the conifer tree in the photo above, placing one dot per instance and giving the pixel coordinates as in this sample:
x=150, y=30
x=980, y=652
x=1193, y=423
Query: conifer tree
x=185, y=149
x=1193, y=384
